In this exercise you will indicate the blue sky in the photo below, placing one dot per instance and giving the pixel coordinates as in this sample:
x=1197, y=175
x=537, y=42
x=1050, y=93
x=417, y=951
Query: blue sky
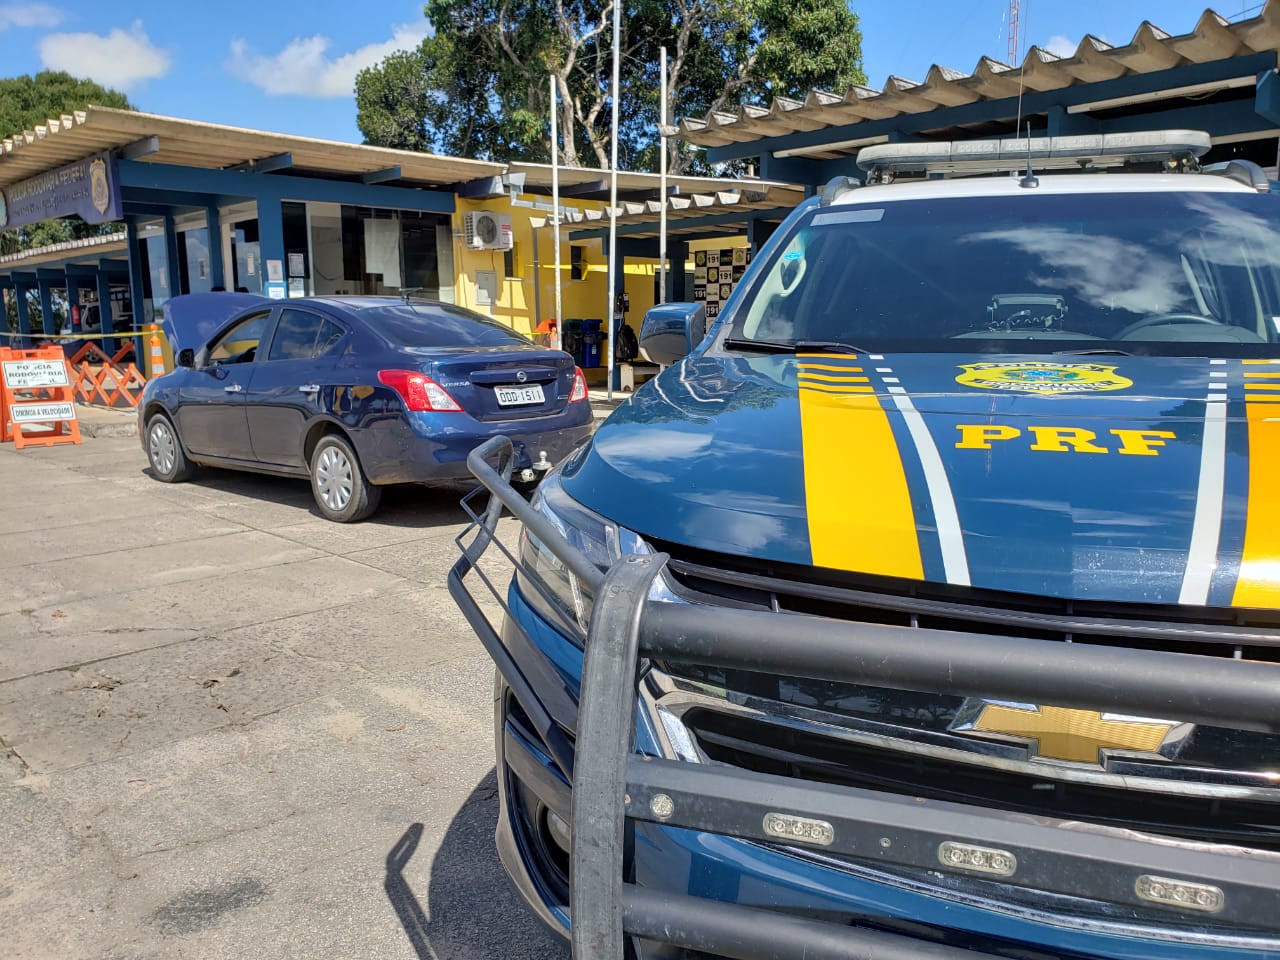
x=290, y=66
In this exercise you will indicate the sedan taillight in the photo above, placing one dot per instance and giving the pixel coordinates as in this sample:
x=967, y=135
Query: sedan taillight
x=579, y=391
x=419, y=392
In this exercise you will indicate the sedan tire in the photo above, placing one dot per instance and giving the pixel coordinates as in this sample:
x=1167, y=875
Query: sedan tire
x=342, y=491
x=169, y=463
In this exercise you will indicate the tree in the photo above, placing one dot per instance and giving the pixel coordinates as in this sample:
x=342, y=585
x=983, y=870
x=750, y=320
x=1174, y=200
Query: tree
x=28, y=101
x=479, y=85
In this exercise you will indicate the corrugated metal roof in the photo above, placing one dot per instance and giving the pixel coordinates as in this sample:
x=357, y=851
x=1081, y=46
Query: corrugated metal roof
x=1151, y=49
x=66, y=250
x=212, y=146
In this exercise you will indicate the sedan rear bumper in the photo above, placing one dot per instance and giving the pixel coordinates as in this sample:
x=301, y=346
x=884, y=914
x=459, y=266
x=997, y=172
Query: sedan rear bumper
x=434, y=446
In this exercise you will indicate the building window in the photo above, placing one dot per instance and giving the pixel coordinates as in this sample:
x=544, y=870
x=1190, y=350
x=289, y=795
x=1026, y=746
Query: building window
x=577, y=264
x=511, y=262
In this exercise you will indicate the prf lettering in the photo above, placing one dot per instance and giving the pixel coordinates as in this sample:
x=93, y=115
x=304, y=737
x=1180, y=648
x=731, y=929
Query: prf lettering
x=1133, y=443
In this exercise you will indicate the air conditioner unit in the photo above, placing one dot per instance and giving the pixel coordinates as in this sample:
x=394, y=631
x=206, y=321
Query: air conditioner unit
x=488, y=231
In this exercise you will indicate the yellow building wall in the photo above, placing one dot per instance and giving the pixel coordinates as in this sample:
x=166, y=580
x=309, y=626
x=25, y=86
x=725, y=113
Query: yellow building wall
x=515, y=304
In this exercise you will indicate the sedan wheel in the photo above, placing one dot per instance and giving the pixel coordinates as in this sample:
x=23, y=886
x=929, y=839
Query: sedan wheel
x=342, y=493
x=169, y=463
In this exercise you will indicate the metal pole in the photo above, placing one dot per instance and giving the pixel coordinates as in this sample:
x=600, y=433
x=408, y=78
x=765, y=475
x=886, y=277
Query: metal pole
x=555, y=208
x=613, y=190
x=662, y=168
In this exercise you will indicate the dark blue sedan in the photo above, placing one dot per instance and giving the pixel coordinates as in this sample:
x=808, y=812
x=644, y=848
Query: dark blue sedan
x=353, y=392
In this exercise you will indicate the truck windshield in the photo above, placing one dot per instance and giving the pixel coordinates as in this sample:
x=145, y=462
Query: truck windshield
x=1187, y=273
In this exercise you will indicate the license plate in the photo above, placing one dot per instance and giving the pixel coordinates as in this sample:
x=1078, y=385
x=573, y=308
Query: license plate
x=519, y=396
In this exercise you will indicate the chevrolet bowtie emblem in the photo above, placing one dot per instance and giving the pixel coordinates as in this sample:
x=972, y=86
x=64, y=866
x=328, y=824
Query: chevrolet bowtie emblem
x=1057, y=733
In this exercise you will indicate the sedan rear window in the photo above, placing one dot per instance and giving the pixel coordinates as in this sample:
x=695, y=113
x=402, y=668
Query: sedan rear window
x=438, y=325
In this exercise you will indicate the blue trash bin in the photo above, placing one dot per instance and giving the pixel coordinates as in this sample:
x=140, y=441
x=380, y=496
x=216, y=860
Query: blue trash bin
x=591, y=337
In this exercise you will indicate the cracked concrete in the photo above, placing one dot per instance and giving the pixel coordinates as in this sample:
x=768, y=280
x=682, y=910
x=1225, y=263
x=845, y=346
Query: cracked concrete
x=221, y=714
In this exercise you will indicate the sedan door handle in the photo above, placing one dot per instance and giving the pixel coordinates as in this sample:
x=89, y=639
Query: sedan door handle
x=233, y=388
x=310, y=388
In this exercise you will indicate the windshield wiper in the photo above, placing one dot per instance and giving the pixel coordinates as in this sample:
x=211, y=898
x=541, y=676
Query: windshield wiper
x=1096, y=351
x=795, y=346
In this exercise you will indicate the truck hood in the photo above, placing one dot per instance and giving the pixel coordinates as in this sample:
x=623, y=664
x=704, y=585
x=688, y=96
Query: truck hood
x=1101, y=478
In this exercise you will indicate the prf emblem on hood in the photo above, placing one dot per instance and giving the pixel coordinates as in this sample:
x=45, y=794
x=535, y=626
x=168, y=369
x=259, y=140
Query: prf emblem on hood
x=1042, y=377
x=1058, y=733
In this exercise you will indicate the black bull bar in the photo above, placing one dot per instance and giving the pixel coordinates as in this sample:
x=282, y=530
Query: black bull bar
x=613, y=786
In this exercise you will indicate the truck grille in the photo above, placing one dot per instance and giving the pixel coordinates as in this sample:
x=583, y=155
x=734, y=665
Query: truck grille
x=1211, y=785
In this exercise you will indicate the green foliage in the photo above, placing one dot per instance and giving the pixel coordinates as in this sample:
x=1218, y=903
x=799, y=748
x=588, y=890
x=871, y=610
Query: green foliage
x=28, y=101
x=478, y=86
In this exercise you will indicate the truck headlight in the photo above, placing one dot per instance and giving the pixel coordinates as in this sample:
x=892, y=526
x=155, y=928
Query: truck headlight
x=599, y=540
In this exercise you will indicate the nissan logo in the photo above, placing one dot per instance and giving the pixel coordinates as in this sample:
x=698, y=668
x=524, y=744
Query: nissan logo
x=521, y=376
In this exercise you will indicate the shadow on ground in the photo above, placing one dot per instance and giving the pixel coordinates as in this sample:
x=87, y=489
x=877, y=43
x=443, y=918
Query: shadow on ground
x=473, y=911
x=416, y=506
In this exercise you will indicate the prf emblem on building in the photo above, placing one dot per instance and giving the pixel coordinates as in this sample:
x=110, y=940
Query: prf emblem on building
x=98, y=187
x=1042, y=377
x=1058, y=733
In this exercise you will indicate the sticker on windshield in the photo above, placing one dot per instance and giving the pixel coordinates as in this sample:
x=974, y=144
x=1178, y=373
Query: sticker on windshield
x=792, y=255
x=1042, y=377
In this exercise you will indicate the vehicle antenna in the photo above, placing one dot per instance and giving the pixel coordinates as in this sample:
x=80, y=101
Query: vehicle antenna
x=407, y=292
x=1029, y=179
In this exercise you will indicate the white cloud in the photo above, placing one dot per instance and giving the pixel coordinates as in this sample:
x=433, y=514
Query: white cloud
x=305, y=67
x=122, y=59
x=29, y=15
x=1061, y=46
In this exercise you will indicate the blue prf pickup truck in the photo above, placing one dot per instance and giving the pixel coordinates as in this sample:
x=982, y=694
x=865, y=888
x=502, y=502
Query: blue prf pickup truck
x=927, y=605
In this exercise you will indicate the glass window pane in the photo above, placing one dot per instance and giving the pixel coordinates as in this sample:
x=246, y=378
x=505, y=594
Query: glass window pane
x=438, y=325
x=295, y=337
x=240, y=343
x=330, y=334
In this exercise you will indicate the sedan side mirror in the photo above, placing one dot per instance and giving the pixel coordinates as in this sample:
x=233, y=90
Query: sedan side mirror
x=186, y=357
x=669, y=331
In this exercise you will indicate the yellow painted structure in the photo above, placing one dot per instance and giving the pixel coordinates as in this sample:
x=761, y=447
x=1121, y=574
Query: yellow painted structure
x=584, y=298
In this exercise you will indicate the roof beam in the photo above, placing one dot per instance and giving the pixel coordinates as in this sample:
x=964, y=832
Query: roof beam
x=583, y=189
x=140, y=148
x=280, y=161
x=381, y=176
x=676, y=227
x=484, y=188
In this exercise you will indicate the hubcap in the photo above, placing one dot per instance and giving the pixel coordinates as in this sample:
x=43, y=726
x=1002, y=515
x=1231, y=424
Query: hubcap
x=334, y=478
x=162, y=447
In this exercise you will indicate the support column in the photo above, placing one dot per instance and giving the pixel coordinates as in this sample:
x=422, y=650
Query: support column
x=47, y=321
x=104, y=312
x=213, y=224
x=677, y=254
x=172, y=262
x=137, y=291
x=270, y=235
x=24, y=314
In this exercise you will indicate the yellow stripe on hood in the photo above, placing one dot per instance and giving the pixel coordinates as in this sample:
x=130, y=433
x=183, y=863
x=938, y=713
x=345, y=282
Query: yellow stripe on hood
x=859, y=505
x=1258, y=583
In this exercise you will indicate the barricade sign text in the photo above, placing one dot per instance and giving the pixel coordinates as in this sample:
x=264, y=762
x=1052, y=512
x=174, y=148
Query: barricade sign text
x=20, y=374
x=36, y=392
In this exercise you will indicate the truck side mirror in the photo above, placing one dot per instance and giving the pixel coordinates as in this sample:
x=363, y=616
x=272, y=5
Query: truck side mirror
x=669, y=331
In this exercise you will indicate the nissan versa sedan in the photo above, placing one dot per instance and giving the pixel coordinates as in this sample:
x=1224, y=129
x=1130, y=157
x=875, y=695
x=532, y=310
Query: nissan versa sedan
x=355, y=393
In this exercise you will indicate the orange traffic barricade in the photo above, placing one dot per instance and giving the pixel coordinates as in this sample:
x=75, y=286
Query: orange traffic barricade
x=36, y=390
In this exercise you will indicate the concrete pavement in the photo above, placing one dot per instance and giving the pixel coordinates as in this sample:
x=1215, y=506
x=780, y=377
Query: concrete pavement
x=232, y=729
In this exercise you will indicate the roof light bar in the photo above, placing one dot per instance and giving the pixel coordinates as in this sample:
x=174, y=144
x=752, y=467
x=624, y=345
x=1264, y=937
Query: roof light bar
x=1043, y=153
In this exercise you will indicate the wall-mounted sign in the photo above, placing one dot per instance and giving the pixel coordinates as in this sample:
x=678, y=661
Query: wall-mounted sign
x=88, y=188
x=715, y=274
